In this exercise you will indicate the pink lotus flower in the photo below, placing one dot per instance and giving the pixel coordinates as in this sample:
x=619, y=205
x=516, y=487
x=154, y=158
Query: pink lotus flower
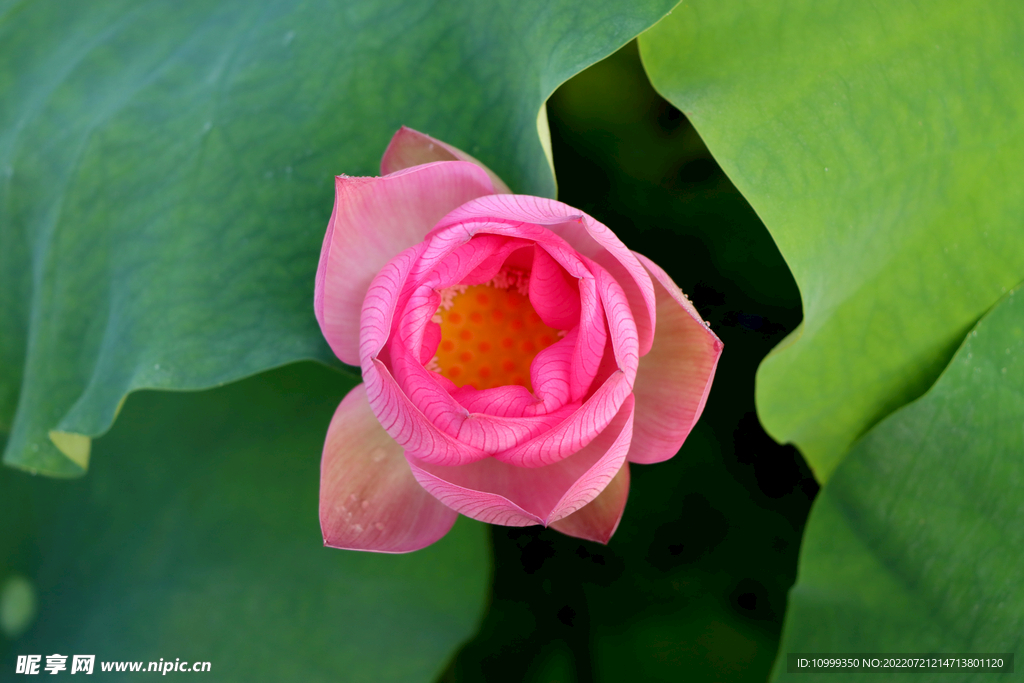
x=516, y=356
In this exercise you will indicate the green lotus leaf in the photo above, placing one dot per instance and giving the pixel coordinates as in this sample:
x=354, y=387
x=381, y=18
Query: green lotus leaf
x=915, y=545
x=166, y=174
x=196, y=537
x=879, y=144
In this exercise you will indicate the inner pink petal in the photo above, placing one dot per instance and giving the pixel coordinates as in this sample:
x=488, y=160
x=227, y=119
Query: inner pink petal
x=585, y=236
x=508, y=256
x=554, y=295
x=517, y=420
x=551, y=370
x=511, y=400
x=621, y=325
x=589, y=347
x=449, y=233
x=576, y=431
x=489, y=336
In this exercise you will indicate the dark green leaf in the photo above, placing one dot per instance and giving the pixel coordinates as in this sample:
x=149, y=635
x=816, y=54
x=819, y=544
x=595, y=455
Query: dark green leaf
x=196, y=537
x=166, y=174
x=915, y=544
x=879, y=142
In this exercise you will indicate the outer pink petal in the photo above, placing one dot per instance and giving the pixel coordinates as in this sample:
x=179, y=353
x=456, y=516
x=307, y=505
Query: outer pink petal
x=586, y=235
x=411, y=148
x=598, y=519
x=615, y=447
x=369, y=499
x=374, y=220
x=674, y=379
x=492, y=508
x=498, y=493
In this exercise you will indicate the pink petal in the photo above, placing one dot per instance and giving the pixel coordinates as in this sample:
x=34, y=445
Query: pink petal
x=488, y=268
x=479, y=432
x=408, y=425
x=464, y=260
x=621, y=325
x=475, y=432
x=553, y=294
x=452, y=232
x=575, y=432
x=431, y=340
x=418, y=411
x=585, y=235
x=369, y=499
x=374, y=220
x=644, y=311
x=399, y=416
x=495, y=492
x=550, y=370
x=674, y=379
x=412, y=329
x=615, y=447
x=599, y=519
x=510, y=400
x=410, y=148
x=589, y=349
x=495, y=435
x=381, y=301
x=431, y=425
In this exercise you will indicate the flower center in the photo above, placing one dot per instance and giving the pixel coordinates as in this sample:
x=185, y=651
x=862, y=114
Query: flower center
x=490, y=333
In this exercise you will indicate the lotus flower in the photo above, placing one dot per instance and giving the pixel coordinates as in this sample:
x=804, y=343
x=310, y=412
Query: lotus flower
x=516, y=357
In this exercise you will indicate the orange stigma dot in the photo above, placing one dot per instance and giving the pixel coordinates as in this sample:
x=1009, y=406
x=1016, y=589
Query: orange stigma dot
x=489, y=337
